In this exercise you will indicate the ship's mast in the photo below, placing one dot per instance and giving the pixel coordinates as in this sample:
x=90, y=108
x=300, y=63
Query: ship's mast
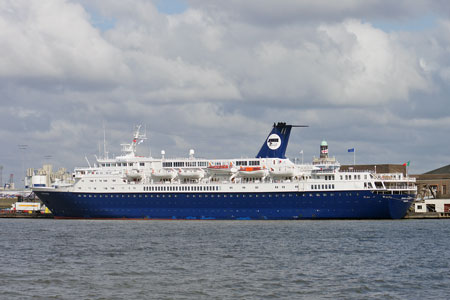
x=130, y=149
x=105, y=153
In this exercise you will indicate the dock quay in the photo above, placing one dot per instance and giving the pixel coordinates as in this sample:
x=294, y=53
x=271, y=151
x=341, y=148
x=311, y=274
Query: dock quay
x=16, y=207
x=25, y=215
x=7, y=202
x=427, y=215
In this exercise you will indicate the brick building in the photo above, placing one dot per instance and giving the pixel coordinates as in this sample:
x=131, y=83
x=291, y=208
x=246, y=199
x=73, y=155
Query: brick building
x=434, y=184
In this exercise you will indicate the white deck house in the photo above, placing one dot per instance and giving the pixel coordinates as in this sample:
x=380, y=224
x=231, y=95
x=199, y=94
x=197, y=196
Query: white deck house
x=432, y=205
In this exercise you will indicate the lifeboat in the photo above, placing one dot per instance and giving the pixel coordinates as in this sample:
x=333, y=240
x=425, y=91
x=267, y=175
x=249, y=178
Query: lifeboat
x=164, y=174
x=254, y=172
x=221, y=169
x=133, y=175
x=191, y=174
x=282, y=172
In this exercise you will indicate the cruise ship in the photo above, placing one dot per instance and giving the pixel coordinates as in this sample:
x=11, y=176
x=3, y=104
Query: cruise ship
x=266, y=187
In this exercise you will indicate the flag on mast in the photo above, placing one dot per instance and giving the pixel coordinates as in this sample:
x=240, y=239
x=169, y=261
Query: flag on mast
x=406, y=164
x=352, y=150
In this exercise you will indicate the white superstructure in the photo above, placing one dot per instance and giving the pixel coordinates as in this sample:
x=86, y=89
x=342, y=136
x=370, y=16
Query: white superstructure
x=136, y=173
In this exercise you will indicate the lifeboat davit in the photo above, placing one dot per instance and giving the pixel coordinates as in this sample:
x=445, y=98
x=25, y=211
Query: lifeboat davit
x=221, y=169
x=164, y=174
x=254, y=172
x=191, y=174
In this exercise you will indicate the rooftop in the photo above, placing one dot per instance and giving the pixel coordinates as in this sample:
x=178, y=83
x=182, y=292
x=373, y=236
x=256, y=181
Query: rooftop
x=442, y=170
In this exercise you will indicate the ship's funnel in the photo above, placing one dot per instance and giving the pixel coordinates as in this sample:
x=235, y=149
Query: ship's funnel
x=277, y=141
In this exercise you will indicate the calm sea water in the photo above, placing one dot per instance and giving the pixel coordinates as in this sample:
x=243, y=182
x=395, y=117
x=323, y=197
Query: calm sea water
x=77, y=259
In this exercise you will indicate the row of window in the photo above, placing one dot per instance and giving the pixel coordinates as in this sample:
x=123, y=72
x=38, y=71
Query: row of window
x=247, y=163
x=100, y=180
x=180, y=188
x=105, y=188
x=216, y=195
x=170, y=164
x=324, y=186
x=355, y=177
x=124, y=164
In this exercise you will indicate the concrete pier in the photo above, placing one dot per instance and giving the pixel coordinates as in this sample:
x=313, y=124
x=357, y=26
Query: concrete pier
x=23, y=215
x=427, y=215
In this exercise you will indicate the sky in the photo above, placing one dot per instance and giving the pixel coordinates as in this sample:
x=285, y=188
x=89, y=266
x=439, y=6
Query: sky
x=214, y=76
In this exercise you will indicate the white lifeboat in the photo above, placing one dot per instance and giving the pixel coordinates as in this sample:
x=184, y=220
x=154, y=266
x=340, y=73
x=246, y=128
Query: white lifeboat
x=164, y=174
x=221, y=169
x=253, y=172
x=133, y=175
x=191, y=173
x=282, y=172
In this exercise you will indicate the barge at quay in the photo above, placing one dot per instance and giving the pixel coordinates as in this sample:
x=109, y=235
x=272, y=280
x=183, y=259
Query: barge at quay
x=267, y=187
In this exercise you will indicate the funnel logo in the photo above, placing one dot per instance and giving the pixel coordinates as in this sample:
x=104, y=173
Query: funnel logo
x=274, y=141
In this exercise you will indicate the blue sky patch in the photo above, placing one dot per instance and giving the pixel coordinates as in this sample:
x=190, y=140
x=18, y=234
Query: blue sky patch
x=101, y=22
x=171, y=7
x=411, y=24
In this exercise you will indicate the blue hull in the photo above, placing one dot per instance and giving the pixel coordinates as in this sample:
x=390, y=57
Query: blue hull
x=227, y=206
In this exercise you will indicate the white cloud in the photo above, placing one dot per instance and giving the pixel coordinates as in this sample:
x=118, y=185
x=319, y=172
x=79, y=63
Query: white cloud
x=377, y=68
x=215, y=77
x=53, y=40
x=282, y=12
